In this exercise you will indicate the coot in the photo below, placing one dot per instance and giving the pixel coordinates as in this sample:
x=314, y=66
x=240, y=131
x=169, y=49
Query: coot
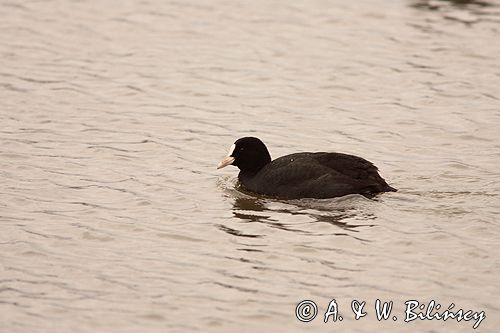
x=302, y=175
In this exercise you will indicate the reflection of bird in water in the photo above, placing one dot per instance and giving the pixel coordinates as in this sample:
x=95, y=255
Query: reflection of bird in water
x=464, y=11
x=318, y=211
x=436, y=4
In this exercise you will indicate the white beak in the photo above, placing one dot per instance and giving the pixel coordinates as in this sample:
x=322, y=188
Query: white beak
x=225, y=162
x=228, y=160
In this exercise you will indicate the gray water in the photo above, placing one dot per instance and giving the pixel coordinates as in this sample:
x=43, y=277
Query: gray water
x=114, y=115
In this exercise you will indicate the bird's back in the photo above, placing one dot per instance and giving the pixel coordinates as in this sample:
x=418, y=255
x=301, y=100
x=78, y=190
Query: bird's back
x=316, y=175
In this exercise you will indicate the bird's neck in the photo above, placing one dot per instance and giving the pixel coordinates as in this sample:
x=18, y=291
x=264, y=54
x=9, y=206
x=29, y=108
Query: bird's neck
x=246, y=175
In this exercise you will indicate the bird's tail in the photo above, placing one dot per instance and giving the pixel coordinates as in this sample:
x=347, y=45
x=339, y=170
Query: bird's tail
x=390, y=189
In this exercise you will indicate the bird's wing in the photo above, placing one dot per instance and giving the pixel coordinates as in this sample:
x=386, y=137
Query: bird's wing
x=349, y=165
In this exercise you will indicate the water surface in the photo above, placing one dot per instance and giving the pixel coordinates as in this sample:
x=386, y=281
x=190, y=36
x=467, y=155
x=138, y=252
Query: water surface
x=115, y=114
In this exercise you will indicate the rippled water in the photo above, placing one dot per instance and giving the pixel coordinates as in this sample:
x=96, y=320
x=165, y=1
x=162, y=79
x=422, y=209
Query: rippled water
x=114, y=115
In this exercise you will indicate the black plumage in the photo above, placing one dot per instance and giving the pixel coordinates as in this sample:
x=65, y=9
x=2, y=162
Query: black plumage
x=303, y=175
